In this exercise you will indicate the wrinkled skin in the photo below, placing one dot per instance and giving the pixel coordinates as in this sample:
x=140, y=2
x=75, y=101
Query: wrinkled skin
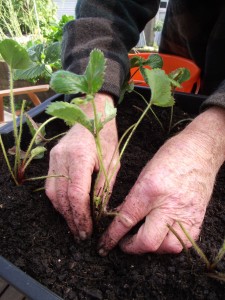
x=76, y=157
x=176, y=185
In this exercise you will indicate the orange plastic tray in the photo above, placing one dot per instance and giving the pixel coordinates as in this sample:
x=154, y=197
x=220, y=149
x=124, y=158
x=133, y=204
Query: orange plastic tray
x=170, y=63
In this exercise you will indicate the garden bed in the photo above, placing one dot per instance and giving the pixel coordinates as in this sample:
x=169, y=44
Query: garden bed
x=36, y=238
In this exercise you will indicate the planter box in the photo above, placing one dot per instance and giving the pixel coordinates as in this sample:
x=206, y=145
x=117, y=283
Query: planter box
x=24, y=283
x=36, y=239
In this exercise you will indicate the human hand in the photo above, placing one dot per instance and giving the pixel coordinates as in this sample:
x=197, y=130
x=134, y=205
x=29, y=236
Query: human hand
x=75, y=156
x=176, y=185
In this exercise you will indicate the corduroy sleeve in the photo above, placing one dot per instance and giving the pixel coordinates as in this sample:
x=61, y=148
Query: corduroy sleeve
x=112, y=26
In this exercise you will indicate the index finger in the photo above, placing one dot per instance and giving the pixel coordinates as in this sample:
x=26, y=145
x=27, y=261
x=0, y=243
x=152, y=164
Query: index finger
x=136, y=206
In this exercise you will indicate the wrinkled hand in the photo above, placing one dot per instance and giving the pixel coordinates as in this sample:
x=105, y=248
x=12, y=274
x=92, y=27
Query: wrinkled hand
x=75, y=156
x=176, y=185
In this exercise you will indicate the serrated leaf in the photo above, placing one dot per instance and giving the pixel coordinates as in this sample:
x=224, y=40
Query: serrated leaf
x=33, y=127
x=70, y=113
x=52, y=53
x=14, y=55
x=66, y=82
x=38, y=152
x=95, y=71
x=160, y=87
x=35, y=52
x=30, y=73
x=110, y=112
x=136, y=61
x=155, y=61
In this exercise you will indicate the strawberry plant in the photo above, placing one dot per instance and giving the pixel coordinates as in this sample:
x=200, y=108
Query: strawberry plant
x=90, y=83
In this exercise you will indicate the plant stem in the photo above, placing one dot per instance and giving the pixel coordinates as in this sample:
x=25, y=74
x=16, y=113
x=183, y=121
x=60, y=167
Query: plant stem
x=33, y=141
x=7, y=161
x=15, y=131
x=134, y=128
x=45, y=177
x=219, y=256
x=55, y=137
x=100, y=157
x=196, y=247
x=117, y=148
x=171, y=119
x=150, y=108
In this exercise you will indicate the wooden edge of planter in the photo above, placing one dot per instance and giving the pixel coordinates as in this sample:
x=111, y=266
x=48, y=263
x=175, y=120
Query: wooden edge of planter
x=24, y=283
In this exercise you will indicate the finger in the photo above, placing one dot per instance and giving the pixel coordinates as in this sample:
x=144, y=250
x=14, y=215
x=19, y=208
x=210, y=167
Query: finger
x=79, y=196
x=171, y=244
x=149, y=236
x=56, y=190
x=134, y=209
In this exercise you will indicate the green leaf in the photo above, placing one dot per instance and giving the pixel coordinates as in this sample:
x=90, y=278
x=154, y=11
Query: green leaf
x=154, y=61
x=95, y=71
x=35, y=52
x=180, y=75
x=110, y=112
x=30, y=73
x=99, y=124
x=127, y=87
x=14, y=55
x=38, y=152
x=53, y=53
x=66, y=82
x=160, y=87
x=70, y=113
x=136, y=61
x=33, y=127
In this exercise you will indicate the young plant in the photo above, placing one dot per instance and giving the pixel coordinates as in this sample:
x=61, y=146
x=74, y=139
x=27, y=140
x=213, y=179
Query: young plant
x=151, y=65
x=210, y=265
x=45, y=58
x=88, y=85
x=17, y=57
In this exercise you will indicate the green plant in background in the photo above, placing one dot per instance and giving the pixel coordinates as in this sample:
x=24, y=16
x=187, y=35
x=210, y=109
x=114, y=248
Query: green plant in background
x=22, y=17
x=151, y=67
x=45, y=58
x=16, y=58
x=210, y=266
x=158, y=25
x=89, y=84
x=55, y=32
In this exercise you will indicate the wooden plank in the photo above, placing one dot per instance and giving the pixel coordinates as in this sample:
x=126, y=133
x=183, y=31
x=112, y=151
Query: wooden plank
x=12, y=294
x=3, y=285
x=25, y=90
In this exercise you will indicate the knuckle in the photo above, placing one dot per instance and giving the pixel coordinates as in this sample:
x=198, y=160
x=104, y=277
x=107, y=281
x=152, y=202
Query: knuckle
x=127, y=220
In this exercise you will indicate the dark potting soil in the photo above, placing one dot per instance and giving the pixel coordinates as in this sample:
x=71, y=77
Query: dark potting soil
x=36, y=238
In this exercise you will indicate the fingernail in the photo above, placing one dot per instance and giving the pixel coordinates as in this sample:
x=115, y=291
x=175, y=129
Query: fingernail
x=83, y=235
x=102, y=252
